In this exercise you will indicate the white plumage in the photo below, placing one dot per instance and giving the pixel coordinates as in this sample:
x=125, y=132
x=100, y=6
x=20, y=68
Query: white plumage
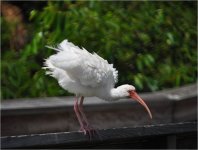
x=81, y=72
x=86, y=74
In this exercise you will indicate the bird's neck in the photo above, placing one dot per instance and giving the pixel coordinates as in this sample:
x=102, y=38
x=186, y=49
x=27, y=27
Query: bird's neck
x=116, y=94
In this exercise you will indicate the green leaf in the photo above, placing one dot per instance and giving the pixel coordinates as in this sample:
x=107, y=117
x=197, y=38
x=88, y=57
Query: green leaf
x=33, y=13
x=138, y=81
x=139, y=65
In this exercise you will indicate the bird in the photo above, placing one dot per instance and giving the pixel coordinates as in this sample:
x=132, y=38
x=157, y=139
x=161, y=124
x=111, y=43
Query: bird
x=87, y=74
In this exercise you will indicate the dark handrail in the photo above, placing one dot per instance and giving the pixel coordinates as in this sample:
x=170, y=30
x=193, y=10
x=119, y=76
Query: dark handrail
x=134, y=137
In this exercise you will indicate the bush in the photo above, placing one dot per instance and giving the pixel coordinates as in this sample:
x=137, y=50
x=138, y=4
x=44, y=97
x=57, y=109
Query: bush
x=152, y=44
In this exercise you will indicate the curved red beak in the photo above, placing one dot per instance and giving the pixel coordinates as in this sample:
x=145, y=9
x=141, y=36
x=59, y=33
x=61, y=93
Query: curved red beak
x=136, y=97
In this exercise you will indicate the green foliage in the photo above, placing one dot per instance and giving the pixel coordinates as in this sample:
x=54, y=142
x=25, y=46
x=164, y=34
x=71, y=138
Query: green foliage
x=152, y=44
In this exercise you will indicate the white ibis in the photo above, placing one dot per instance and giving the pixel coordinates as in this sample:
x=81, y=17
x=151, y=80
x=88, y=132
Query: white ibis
x=86, y=74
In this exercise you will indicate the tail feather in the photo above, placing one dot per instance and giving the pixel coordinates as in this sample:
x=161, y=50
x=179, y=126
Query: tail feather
x=49, y=67
x=50, y=47
x=52, y=70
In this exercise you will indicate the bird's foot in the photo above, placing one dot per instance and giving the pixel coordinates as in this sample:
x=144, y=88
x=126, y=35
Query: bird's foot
x=90, y=131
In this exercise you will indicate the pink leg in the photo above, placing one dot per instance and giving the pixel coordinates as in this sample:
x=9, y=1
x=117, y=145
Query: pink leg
x=88, y=128
x=82, y=111
x=76, y=110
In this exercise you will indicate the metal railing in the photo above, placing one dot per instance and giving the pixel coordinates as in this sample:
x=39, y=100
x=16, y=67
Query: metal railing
x=174, y=135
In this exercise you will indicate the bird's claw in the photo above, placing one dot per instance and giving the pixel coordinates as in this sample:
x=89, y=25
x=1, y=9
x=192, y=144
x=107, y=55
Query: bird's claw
x=90, y=131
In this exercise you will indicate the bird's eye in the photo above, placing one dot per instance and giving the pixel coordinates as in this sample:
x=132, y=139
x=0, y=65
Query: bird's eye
x=129, y=91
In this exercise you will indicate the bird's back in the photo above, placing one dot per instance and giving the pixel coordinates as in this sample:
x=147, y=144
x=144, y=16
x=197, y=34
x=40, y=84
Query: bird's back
x=81, y=67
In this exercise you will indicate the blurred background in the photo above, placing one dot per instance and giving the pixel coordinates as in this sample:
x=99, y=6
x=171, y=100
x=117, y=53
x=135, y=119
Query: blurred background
x=152, y=44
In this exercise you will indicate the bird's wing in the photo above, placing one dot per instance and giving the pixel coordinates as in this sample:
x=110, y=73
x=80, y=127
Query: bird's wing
x=83, y=67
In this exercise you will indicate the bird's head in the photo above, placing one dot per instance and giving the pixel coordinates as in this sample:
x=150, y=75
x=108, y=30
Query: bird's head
x=128, y=91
